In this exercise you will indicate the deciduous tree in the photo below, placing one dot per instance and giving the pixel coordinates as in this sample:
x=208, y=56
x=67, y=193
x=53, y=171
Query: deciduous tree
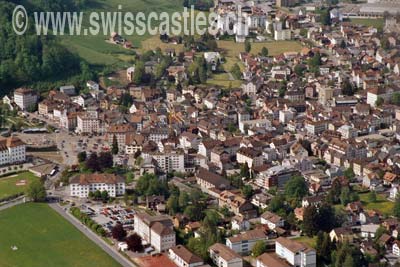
x=396, y=208
x=115, y=148
x=134, y=243
x=247, y=46
x=82, y=156
x=36, y=191
x=92, y=162
x=310, y=220
x=258, y=248
x=118, y=232
x=105, y=160
x=264, y=52
x=296, y=188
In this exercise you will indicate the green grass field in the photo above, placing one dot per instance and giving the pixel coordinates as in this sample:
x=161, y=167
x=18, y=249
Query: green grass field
x=95, y=49
x=222, y=79
x=233, y=49
x=44, y=238
x=382, y=204
x=8, y=184
x=377, y=23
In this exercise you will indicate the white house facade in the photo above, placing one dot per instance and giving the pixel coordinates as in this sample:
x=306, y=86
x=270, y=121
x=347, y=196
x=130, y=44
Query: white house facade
x=12, y=150
x=82, y=184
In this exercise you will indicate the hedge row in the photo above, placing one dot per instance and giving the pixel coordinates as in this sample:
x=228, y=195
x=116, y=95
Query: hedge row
x=89, y=222
x=9, y=198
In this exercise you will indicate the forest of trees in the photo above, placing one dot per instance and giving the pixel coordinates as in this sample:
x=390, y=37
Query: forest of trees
x=27, y=59
x=204, y=5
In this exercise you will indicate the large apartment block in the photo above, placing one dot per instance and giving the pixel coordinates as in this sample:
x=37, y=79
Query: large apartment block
x=12, y=150
x=296, y=253
x=156, y=230
x=82, y=184
x=25, y=98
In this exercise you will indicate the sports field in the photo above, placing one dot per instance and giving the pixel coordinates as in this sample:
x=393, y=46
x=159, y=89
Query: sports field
x=34, y=235
x=14, y=184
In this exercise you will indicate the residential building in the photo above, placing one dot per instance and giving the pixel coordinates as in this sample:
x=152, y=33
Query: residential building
x=189, y=140
x=396, y=248
x=209, y=180
x=272, y=220
x=68, y=90
x=82, y=184
x=237, y=204
x=223, y=256
x=183, y=257
x=88, y=123
x=262, y=123
x=249, y=156
x=271, y=260
x=156, y=230
x=120, y=132
x=240, y=223
x=295, y=253
x=275, y=176
x=341, y=234
x=12, y=150
x=316, y=127
x=244, y=242
x=25, y=98
x=170, y=161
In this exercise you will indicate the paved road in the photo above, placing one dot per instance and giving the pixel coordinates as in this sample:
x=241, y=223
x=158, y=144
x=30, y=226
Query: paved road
x=92, y=236
x=13, y=203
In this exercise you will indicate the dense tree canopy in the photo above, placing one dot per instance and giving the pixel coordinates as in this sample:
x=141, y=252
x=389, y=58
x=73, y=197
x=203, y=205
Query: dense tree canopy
x=29, y=58
x=149, y=185
x=199, y=4
x=118, y=232
x=258, y=248
x=36, y=191
x=296, y=188
x=134, y=242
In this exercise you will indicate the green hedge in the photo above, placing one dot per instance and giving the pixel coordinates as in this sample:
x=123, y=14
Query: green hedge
x=4, y=199
x=89, y=222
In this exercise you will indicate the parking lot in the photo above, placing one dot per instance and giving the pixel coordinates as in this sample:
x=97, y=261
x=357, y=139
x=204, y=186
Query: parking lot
x=109, y=216
x=68, y=144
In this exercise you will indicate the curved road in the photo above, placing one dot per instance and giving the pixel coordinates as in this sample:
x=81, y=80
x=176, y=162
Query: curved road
x=92, y=236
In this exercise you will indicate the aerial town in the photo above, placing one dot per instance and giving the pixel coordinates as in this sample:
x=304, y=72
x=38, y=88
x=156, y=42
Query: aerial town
x=278, y=146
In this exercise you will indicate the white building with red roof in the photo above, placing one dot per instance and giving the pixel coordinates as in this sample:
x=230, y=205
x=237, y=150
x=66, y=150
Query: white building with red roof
x=12, y=151
x=81, y=185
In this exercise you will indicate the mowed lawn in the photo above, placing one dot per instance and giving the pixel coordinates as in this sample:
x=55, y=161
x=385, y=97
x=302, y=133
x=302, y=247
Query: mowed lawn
x=44, y=238
x=233, y=49
x=377, y=23
x=14, y=184
x=154, y=42
x=222, y=79
x=382, y=204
